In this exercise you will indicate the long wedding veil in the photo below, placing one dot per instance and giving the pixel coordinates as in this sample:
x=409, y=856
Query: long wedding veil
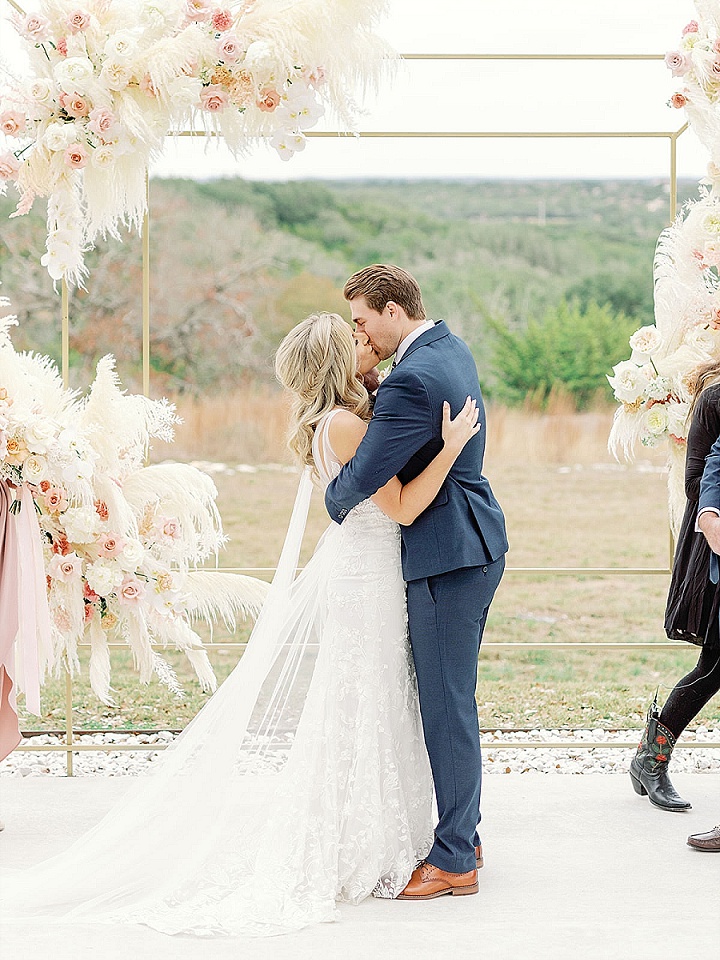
x=171, y=824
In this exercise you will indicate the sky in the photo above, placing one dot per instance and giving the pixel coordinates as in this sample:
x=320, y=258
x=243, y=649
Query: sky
x=497, y=96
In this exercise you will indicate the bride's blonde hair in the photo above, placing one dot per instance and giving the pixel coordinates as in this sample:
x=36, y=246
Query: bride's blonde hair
x=316, y=363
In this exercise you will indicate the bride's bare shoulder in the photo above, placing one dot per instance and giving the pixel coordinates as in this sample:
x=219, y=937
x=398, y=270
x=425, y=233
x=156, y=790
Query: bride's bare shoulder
x=345, y=431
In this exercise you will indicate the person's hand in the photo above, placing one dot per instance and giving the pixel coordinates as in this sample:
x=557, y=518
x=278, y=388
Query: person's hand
x=709, y=524
x=365, y=357
x=457, y=432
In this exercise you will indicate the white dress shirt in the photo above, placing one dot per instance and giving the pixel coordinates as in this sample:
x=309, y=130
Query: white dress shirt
x=410, y=338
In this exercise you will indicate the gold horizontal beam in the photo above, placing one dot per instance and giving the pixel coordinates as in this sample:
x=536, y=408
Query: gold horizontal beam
x=532, y=56
x=524, y=571
x=495, y=745
x=470, y=134
x=529, y=644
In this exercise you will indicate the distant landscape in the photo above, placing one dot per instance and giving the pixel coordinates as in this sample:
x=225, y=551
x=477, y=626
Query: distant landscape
x=236, y=263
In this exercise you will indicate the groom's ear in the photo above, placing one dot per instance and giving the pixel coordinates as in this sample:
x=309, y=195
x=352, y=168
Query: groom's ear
x=393, y=309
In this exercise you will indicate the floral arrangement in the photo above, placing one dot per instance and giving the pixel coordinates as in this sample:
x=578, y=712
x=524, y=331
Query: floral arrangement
x=110, y=79
x=696, y=65
x=654, y=386
x=120, y=540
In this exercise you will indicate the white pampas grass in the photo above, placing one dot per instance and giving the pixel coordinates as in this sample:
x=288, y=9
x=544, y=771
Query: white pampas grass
x=224, y=596
x=99, y=670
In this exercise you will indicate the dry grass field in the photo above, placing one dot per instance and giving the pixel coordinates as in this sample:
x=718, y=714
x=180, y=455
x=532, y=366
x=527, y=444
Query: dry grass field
x=568, y=504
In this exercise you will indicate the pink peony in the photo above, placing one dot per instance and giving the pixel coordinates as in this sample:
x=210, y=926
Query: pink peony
x=55, y=500
x=110, y=546
x=222, y=20
x=76, y=156
x=78, y=21
x=214, y=98
x=691, y=27
x=269, y=99
x=102, y=122
x=130, y=591
x=9, y=166
x=11, y=122
x=35, y=27
x=73, y=105
x=676, y=61
x=61, y=47
x=229, y=48
x=65, y=568
x=678, y=100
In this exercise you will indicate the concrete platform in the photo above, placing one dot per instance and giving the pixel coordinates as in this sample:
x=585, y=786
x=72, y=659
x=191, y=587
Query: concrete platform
x=576, y=867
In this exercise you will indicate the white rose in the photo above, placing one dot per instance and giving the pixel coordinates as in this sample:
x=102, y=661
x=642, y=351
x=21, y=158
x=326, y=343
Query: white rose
x=40, y=434
x=104, y=577
x=701, y=339
x=120, y=46
x=103, y=156
x=656, y=419
x=115, y=75
x=35, y=469
x=677, y=419
x=644, y=343
x=711, y=222
x=73, y=74
x=41, y=92
x=82, y=524
x=59, y=136
x=132, y=555
x=259, y=57
x=629, y=381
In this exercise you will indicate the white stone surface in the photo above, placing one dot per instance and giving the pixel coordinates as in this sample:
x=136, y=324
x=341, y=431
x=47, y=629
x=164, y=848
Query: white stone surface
x=577, y=868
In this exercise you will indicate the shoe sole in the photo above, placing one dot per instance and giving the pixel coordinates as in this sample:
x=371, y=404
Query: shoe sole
x=642, y=792
x=464, y=891
x=694, y=846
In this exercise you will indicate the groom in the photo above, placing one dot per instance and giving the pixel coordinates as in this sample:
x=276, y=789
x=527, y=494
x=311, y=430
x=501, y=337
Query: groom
x=453, y=555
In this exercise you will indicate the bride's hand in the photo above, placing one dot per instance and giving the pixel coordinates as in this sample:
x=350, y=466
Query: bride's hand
x=457, y=432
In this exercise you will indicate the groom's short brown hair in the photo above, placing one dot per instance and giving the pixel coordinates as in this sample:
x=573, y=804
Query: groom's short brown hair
x=383, y=282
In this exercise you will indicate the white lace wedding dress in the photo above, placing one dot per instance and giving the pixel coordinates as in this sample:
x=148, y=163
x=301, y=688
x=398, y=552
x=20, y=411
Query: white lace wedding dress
x=304, y=781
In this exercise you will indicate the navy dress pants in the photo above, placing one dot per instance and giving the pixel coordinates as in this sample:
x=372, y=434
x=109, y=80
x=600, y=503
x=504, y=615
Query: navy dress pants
x=447, y=615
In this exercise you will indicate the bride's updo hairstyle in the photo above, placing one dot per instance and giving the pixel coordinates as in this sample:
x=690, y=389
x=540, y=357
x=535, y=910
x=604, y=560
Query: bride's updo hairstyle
x=316, y=363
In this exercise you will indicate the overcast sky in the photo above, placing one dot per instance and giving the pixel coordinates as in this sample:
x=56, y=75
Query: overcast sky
x=499, y=96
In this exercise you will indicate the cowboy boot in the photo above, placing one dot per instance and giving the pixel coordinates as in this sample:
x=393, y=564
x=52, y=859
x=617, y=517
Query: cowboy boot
x=649, y=766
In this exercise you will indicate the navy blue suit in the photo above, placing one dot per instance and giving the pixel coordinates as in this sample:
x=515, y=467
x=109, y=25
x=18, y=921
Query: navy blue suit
x=452, y=558
x=710, y=496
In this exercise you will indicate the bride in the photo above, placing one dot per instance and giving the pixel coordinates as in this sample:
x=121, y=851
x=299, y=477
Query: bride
x=304, y=780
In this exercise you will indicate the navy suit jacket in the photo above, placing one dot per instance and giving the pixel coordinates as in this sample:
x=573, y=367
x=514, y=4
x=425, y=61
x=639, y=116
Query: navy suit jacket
x=710, y=495
x=464, y=525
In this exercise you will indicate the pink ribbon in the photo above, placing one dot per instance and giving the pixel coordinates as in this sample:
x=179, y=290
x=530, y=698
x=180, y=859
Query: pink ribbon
x=33, y=640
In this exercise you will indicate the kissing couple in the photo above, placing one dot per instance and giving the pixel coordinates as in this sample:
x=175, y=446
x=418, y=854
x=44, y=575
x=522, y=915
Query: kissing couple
x=341, y=758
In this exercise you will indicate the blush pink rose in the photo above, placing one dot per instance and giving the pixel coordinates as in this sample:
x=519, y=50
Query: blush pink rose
x=222, y=20
x=110, y=546
x=12, y=121
x=89, y=612
x=268, y=100
x=102, y=122
x=35, y=27
x=214, y=98
x=678, y=100
x=76, y=156
x=61, y=47
x=715, y=69
x=171, y=529
x=147, y=86
x=199, y=9
x=130, y=591
x=55, y=500
x=9, y=166
x=691, y=27
x=89, y=593
x=229, y=48
x=65, y=568
x=676, y=61
x=78, y=21
x=73, y=105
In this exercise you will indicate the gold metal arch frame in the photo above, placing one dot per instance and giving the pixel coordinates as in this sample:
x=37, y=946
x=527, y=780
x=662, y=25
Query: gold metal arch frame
x=672, y=137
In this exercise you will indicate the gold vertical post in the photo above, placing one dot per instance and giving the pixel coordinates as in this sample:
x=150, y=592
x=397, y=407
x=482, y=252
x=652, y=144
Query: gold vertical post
x=68, y=723
x=673, y=177
x=146, y=293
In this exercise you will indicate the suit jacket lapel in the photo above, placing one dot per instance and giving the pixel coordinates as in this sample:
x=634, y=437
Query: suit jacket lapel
x=439, y=331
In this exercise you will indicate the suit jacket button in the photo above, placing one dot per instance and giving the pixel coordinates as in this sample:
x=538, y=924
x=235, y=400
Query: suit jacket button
x=484, y=569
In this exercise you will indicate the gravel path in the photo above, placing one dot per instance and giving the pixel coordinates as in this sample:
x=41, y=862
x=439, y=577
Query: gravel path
x=567, y=759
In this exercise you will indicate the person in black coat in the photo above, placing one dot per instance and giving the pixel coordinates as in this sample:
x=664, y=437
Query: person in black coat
x=693, y=607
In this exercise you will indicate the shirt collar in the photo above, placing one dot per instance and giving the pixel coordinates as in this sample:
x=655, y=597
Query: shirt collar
x=411, y=338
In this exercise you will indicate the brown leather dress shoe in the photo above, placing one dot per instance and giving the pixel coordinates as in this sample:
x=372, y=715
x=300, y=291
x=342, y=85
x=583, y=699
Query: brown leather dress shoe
x=706, y=841
x=428, y=882
x=479, y=856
